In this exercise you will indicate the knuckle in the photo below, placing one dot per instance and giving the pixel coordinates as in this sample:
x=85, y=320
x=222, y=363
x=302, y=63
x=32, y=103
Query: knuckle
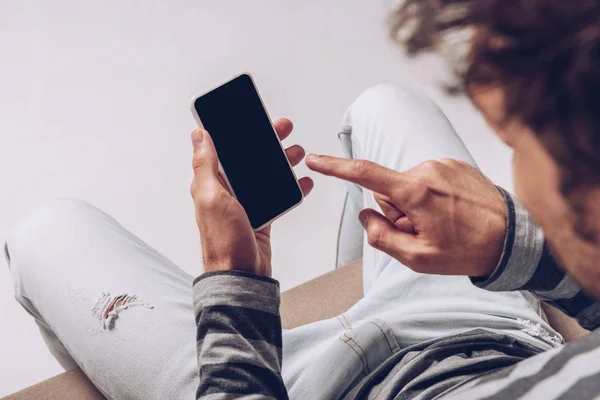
x=464, y=164
x=210, y=197
x=431, y=166
x=452, y=162
x=198, y=161
x=361, y=166
x=421, y=183
x=420, y=189
x=373, y=240
x=413, y=258
x=416, y=260
x=374, y=236
x=449, y=161
x=197, y=131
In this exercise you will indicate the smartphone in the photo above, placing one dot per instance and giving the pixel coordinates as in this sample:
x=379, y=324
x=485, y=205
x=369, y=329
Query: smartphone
x=253, y=161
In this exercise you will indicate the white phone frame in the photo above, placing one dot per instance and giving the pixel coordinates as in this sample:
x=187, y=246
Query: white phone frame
x=221, y=171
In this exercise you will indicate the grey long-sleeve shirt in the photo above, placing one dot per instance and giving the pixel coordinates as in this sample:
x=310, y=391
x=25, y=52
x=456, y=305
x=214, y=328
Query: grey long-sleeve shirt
x=239, y=338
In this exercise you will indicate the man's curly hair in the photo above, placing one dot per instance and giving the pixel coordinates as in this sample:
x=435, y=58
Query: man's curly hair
x=544, y=54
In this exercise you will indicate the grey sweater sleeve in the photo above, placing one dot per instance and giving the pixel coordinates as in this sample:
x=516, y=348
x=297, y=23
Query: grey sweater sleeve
x=527, y=264
x=238, y=336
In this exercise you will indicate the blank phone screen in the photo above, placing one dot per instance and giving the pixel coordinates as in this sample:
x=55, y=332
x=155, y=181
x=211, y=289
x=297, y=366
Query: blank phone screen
x=249, y=150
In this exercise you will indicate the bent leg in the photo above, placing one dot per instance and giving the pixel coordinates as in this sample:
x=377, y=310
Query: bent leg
x=400, y=129
x=106, y=302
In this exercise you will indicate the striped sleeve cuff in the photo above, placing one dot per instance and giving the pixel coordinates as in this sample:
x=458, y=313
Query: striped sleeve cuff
x=237, y=289
x=526, y=263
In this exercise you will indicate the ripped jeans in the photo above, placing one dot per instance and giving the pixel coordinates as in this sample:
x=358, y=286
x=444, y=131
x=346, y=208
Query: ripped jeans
x=108, y=303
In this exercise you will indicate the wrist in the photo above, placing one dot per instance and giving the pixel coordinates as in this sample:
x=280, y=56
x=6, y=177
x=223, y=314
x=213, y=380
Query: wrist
x=229, y=266
x=523, y=247
x=503, y=234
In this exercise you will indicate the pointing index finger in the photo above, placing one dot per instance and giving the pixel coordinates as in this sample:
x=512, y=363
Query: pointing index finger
x=365, y=173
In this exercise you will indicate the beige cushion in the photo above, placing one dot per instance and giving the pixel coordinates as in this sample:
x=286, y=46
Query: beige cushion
x=70, y=385
x=323, y=297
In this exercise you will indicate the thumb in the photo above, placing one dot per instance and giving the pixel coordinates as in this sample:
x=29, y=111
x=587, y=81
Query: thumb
x=205, y=161
x=384, y=236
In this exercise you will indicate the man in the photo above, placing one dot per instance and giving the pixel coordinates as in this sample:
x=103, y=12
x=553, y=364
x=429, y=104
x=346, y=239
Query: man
x=533, y=71
x=418, y=332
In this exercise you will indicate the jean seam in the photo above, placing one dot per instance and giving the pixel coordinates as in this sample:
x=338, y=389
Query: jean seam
x=347, y=321
x=385, y=336
x=362, y=355
x=342, y=323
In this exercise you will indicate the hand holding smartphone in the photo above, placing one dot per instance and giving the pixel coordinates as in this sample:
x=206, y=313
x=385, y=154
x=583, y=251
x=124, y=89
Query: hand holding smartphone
x=253, y=161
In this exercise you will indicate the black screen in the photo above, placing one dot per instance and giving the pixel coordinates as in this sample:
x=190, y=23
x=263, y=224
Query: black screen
x=249, y=150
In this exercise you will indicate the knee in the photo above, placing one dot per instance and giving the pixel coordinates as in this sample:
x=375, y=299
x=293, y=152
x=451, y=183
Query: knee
x=387, y=100
x=47, y=224
x=387, y=92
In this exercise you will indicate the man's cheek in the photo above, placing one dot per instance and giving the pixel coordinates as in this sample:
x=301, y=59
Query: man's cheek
x=520, y=180
x=536, y=186
x=528, y=187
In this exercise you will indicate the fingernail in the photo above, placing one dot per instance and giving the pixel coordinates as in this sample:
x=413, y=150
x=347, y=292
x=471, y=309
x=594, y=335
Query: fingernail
x=312, y=157
x=363, y=218
x=197, y=137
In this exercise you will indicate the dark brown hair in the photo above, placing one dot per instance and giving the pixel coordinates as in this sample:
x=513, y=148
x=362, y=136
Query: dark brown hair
x=543, y=54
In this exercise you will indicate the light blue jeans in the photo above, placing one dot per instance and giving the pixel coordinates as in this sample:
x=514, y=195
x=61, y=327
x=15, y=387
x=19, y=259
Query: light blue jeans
x=68, y=260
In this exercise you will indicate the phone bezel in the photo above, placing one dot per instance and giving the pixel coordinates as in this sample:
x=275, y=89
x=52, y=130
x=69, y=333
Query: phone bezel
x=221, y=171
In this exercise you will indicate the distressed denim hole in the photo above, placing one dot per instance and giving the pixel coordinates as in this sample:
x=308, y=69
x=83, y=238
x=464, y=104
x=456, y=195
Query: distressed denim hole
x=108, y=307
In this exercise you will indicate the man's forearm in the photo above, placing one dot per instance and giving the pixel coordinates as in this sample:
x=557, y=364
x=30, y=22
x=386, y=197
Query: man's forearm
x=239, y=335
